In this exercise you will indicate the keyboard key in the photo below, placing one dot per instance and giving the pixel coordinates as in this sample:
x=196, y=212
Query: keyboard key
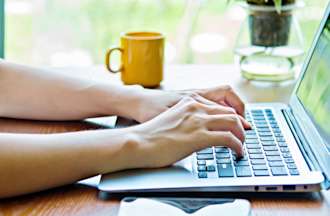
x=210, y=168
x=201, y=168
x=202, y=175
x=275, y=163
x=205, y=157
x=254, y=115
x=253, y=146
x=266, y=139
x=251, y=141
x=282, y=144
x=261, y=117
x=261, y=173
x=222, y=155
x=221, y=150
x=294, y=172
x=257, y=156
x=264, y=130
x=256, y=111
x=251, y=136
x=250, y=132
x=262, y=125
x=288, y=160
x=244, y=158
x=206, y=151
x=272, y=153
x=268, y=143
x=241, y=163
x=287, y=155
x=278, y=135
x=277, y=130
x=280, y=139
x=274, y=158
x=255, y=151
x=265, y=134
x=224, y=161
x=243, y=171
x=278, y=171
x=274, y=125
x=292, y=166
x=261, y=121
x=201, y=162
x=268, y=110
x=258, y=161
x=260, y=167
x=270, y=148
x=284, y=149
x=225, y=170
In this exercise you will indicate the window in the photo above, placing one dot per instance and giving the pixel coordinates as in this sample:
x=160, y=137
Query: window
x=78, y=32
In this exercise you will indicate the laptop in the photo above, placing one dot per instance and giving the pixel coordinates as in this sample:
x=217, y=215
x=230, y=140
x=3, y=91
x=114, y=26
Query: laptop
x=288, y=149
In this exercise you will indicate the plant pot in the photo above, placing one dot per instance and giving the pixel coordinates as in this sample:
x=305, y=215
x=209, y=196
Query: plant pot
x=269, y=46
x=269, y=28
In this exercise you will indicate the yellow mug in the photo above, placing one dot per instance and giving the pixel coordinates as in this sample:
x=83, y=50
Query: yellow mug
x=142, y=58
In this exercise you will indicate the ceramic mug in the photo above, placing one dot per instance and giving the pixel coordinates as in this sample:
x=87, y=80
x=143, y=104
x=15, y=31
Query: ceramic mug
x=142, y=58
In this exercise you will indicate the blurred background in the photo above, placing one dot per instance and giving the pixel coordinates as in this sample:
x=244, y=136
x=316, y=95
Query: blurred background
x=78, y=32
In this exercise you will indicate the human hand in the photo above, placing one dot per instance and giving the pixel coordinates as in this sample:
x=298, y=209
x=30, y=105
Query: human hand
x=224, y=95
x=153, y=102
x=187, y=127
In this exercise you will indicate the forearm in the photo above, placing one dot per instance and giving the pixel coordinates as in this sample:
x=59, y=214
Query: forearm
x=34, y=93
x=30, y=163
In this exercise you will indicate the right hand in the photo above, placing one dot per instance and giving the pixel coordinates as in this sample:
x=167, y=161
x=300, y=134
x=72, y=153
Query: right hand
x=187, y=127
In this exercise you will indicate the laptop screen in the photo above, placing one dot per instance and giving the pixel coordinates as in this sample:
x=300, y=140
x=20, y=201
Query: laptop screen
x=314, y=89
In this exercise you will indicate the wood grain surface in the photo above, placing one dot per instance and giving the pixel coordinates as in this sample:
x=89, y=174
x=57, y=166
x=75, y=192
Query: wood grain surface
x=80, y=199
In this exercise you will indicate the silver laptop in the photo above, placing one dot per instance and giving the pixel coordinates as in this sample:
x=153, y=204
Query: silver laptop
x=288, y=149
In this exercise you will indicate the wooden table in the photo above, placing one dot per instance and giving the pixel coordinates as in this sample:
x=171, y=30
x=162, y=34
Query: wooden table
x=80, y=199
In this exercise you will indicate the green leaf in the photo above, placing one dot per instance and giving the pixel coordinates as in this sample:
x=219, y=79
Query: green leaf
x=278, y=5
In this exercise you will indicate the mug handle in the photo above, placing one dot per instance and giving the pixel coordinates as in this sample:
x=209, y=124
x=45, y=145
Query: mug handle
x=107, y=59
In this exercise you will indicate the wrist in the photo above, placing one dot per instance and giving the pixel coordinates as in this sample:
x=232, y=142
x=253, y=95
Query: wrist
x=116, y=150
x=119, y=100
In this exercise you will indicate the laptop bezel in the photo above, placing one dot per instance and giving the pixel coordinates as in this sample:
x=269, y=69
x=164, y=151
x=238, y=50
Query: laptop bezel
x=315, y=141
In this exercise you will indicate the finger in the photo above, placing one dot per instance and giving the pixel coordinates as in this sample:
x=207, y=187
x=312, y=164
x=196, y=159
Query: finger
x=226, y=139
x=230, y=123
x=218, y=109
x=233, y=100
x=185, y=100
x=204, y=100
x=245, y=123
x=224, y=95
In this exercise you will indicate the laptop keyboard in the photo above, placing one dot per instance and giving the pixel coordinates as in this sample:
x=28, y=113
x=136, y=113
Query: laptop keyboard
x=265, y=152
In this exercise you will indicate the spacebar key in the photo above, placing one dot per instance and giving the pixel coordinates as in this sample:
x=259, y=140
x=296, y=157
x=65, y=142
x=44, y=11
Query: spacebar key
x=225, y=170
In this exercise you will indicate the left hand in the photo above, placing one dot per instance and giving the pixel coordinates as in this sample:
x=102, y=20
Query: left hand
x=223, y=98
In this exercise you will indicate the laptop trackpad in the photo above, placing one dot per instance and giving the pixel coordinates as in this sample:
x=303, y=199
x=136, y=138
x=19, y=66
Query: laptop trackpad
x=177, y=176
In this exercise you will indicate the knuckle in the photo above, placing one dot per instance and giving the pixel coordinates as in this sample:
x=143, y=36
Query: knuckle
x=227, y=88
x=187, y=99
x=192, y=94
x=198, y=117
x=193, y=106
x=233, y=118
x=230, y=110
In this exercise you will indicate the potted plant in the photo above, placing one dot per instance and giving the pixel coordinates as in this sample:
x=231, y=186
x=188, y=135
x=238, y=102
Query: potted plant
x=269, y=21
